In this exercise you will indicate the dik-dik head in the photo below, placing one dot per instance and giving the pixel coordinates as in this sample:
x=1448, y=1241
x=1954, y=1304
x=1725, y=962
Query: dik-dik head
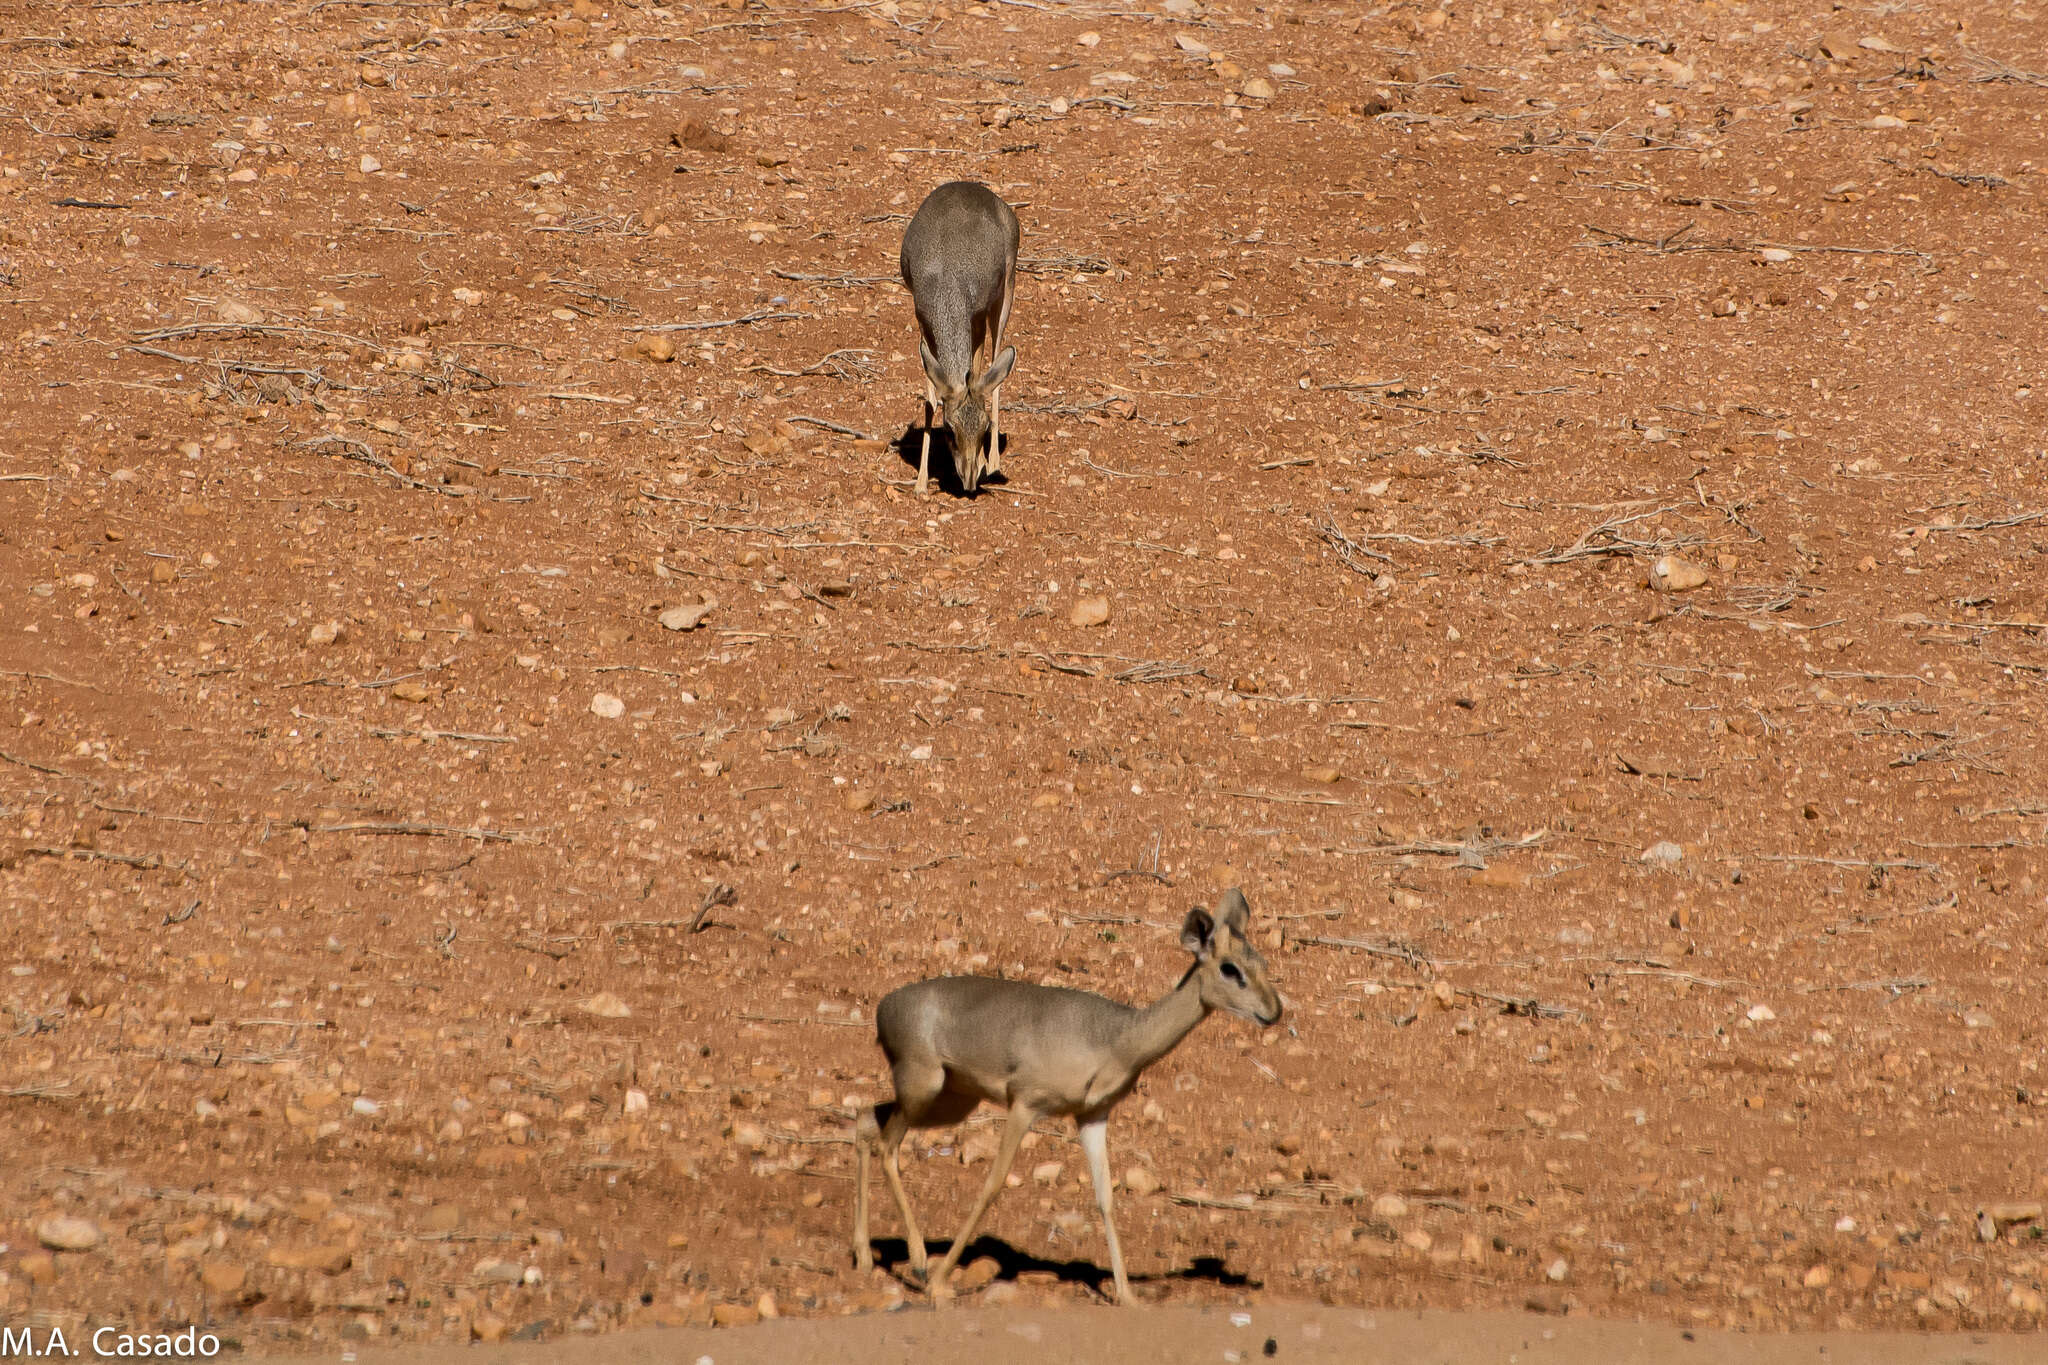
x=966, y=409
x=1228, y=970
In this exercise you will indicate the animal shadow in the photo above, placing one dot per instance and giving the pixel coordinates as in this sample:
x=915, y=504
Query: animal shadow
x=907, y=446
x=893, y=1255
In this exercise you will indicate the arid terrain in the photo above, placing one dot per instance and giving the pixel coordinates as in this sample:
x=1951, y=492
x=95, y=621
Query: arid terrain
x=1554, y=502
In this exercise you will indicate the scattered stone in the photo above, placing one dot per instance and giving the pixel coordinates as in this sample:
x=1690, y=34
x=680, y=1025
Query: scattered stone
x=608, y=706
x=66, y=1233
x=237, y=312
x=1189, y=44
x=370, y=165
x=1089, y=611
x=485, y=1327
x=1546, y=1300
x=1669, y=573
x=442, y=1218
x=326, y=633
x=1760, y=1014
x=412, y=692
x=1141, y=1181
x=734, y=1315
x=326, y=1260
x=494, y=1271
x=605, y=1005
x=1257, y=88
x=696, y=133
x=221, y=1277
x=1418, y=1239
x=1776, y=255
x=636, y=1102
x=1557, y=1271
x=1389, y=1207
x=687, y=616
x=980, y=1271
x=1817, y=1278
x=1663, y=853
x=766, y=1307
x=749, y=1137
x=1046, y=1172
x=658, y=347
x=1324, y=775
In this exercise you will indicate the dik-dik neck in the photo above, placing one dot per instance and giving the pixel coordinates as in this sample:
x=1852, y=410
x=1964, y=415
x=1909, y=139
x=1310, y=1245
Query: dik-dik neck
x=1158, y=1028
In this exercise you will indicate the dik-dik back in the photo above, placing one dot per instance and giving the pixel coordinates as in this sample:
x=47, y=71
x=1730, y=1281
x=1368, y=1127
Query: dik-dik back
x=958, y=258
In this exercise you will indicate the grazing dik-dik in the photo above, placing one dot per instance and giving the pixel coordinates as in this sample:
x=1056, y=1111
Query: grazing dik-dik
x=960, y=263
x=1040, y=1051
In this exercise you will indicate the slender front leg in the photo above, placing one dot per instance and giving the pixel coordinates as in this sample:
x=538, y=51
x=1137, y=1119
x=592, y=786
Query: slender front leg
x=1095, y=1142
x=865, y=1131
x=897, y=1124
x=924, y=454
x=1013, y=1137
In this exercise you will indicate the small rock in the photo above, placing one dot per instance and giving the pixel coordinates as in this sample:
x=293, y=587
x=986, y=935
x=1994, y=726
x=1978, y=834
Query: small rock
x=237, y=312
x=1669, y=573
x=494, y=1271
x=1089, y=39
x=688, y=616
x=1389, y=1207
x=976, y=1273
x=66, y=1233
x=1324, y=775
x=1817, y=1278
x=1761, y=1014
x=370, y=165
x=220, y=1277
x=1664, y=853
x=365, y=1107
x=412, y=692
x=636, y=1102
x=1557, y=1271
x=1257, y=88
x=1089, y=611
x=766, y=1307
x=1976, y=1018
x=442, y=1218
x=749, y=1137
x=1546, y=1301
x=1418, y=1239
x=1190, y=45
x=734, y=1315
x=1046, y=1172
x=326, y=1260
x=1141, y=1181
x=1776, y=255
x=1471, y=1248
x=326, y=633
x=485, y=1327
x=658, y=347
x=858, y=801
x=605, y=1005
x=608, y=706
x=696, y=133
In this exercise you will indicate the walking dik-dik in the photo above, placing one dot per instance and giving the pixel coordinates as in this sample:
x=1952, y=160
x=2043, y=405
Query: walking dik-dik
x=1039, y=1051
x=960, y=263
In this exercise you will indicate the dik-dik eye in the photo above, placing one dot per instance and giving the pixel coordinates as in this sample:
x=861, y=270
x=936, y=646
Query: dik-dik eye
x=1232, y=974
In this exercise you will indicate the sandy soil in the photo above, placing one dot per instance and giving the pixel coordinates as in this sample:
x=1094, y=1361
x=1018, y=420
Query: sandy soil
x=405, y=936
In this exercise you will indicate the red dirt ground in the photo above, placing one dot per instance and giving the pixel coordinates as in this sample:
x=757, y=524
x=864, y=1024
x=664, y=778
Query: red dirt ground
x=1667, y=955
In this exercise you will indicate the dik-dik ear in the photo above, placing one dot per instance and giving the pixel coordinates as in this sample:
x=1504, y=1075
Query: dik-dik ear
x=1235, y=910
x=932, y=370
x=997, y=372
x=1196, y=933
